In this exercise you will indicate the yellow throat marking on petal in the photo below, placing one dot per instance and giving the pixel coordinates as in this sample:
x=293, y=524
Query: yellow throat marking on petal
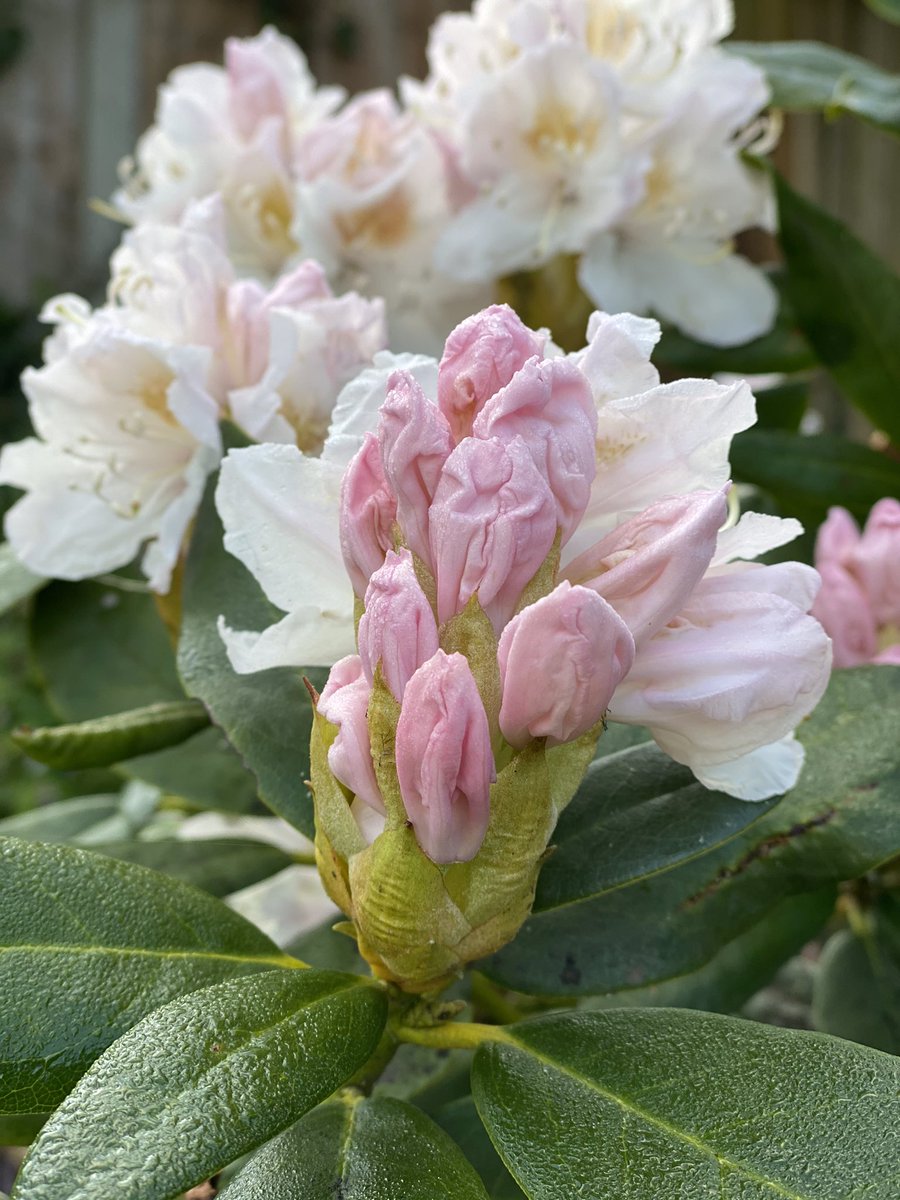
x=610, y=451
x=610, y=31
x=387, y=223
x=557, y=130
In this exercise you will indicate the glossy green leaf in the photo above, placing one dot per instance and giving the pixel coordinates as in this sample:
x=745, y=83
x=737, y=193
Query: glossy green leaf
x=636, y=813
x=666, y=1103
x=202, y=1081
x=888, y=9
x=806, y=475
x=857, y=988
x=16, y=581
x=462, y=1122
x=360, y=1149
x=267, y=716
x=89, y=946
x=810, y=76
x=107, y=740
x=217, y=865
x=632, y=929
x=101, y=651
x=63, y=821
x=847, y=302
x=741, y=968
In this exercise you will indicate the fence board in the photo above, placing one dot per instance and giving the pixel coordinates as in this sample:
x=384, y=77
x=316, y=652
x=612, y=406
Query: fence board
x=86, y=85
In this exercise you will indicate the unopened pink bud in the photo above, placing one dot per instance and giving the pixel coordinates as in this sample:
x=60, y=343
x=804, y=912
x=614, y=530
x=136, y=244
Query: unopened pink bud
x=415, y=442
x=398, y=628
x=648, y=566
x=837, y=538
x=493, y=522
x=254, y=90
x=876, y=561
x=561, y=659
x=480, y=357
x=550, y=406
x=846, y=615
x=445, y=766
x=344, y=702
x=368, y=512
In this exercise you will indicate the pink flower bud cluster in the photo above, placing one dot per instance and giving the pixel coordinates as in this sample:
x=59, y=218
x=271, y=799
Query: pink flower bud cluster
x=476, y=495
x=859, y=602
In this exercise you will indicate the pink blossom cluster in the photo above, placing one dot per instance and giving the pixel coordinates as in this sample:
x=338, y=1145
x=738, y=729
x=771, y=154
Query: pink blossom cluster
x=611, y=130
x=478, y=496
x=859, y=602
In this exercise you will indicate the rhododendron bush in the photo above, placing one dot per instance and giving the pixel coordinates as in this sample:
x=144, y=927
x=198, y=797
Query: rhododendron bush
x=434, y=531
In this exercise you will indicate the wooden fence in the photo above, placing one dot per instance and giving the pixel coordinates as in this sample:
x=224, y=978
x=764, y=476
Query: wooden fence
x=83, y=87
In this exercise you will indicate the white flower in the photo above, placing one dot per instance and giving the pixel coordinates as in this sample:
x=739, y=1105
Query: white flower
x=541, y=141
x=280, y=355
x=612, y=130
x=375, y=189
x=231, y=130
x=127, y=433
x=673, y=253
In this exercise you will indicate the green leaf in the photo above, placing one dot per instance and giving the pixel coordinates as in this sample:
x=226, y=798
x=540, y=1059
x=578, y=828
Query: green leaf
x=806, y=475
x=217, y=865
x=64, y=821
x=16, y=581
x=634, y=928
x=358, y=1149
x=857, y=988
x=89, y=946
x=101, y=651
x=741, y=968
x=847, y=302
x=888, y=9
x=267, y=716
x=810, y=76
x=462, y=1122
x=202, y=1081
x=662, y=1102
x=107, y=740
x=637, y=813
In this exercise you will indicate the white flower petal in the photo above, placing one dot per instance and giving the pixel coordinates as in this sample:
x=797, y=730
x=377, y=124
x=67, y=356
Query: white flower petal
x=670, y=440
x=280, y=510
x=769, y=771
x=306, y=637
x=754, y=534
x=357, y=407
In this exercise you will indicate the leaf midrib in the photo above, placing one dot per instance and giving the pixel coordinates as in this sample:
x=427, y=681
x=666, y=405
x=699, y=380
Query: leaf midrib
x=664, y=1126
x=282, y=960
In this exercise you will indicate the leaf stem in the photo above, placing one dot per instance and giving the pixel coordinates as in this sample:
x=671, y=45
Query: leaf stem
x=456, y=1035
